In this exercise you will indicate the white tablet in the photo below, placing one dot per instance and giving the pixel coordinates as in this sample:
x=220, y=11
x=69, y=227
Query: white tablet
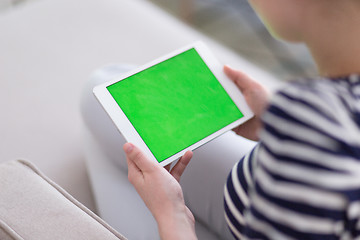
x=174, y=104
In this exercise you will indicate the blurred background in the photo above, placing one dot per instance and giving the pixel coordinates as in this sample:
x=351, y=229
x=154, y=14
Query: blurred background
x=234, y=24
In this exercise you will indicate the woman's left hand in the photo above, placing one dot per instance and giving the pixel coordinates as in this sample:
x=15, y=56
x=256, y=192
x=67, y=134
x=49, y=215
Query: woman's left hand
x=160, y=190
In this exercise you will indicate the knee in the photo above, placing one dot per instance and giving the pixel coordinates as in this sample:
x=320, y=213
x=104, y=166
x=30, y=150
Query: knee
x=96, y=120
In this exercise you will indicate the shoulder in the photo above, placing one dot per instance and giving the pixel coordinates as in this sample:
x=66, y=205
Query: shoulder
x=303, y=100
x=302, y=111
x=323, y=99
x=308, y=121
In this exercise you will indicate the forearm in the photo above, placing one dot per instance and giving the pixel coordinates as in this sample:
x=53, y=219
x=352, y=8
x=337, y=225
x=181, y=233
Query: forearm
x=177, y=225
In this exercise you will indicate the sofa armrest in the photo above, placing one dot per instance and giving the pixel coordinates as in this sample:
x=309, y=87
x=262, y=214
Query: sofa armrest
x=34, y=207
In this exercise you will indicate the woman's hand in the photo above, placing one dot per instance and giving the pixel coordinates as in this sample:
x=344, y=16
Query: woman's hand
x=160, y=190
x=256, y=97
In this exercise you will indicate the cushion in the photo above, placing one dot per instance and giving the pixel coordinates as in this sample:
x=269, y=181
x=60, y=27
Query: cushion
x=34, y=207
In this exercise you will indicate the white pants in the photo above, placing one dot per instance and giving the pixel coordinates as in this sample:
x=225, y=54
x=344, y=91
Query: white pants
x=204, y=178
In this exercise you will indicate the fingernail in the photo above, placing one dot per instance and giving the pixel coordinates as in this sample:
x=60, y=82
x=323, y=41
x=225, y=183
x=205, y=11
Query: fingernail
x=228, y=66
x=128, y=147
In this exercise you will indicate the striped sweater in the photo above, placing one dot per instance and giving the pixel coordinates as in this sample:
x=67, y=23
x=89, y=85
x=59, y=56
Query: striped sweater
x=302, y=181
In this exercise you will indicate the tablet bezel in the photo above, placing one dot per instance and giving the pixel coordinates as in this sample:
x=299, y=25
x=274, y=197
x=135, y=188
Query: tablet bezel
x=127, y=129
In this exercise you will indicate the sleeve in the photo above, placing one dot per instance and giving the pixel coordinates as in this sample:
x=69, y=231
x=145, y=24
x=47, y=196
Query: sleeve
x=301, y=177
x=236, y=193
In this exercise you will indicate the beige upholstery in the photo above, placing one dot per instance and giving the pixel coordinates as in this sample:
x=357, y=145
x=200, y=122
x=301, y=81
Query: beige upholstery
x=34, y=207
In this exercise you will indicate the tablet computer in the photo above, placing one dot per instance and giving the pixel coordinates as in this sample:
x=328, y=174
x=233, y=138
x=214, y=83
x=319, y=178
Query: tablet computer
x=175, y=103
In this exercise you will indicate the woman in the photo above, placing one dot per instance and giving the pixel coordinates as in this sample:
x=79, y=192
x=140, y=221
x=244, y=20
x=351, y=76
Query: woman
x=302, y=181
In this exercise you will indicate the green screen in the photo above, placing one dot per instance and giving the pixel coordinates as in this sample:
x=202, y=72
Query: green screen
x=175, y=103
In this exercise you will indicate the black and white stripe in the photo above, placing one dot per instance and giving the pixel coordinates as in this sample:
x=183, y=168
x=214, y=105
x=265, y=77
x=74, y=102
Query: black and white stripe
x=302, y=181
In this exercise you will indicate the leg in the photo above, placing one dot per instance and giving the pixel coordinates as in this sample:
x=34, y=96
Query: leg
x=96, y=119
x=204, y=179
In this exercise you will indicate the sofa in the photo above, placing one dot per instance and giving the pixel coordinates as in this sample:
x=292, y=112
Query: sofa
x=49, y=51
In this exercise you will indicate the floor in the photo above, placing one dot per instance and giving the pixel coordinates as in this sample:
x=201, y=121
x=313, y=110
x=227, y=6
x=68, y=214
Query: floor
x=234, y=24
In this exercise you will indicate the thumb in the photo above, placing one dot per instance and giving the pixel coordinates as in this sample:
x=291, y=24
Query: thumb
x=242, y=81
x=136, y=157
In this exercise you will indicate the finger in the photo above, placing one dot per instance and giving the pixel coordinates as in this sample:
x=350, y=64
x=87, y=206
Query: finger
x=240, y=79
x=180, y=166
x=135, y=156
x=134, y=173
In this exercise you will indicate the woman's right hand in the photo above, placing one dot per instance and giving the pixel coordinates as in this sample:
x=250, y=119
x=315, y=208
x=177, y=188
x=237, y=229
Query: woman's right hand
x=256, y=97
